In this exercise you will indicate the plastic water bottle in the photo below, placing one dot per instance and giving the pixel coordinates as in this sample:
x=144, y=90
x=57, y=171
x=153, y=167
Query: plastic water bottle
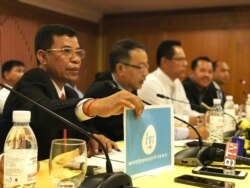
x=248, y=107
x=229, y=114
x=20, y=153
x=216, y=122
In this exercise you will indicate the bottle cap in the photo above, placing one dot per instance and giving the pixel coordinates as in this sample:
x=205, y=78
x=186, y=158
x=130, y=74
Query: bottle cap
x=229, y=97
x=21, y=116
x=217, y=101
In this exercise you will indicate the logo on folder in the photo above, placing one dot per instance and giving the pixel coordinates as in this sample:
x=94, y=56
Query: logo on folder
x=149, y=140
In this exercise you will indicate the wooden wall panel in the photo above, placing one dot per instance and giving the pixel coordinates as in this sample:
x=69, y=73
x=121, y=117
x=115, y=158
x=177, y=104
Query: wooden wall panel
x=18, y=25
x=241, y=58
x=219, y=33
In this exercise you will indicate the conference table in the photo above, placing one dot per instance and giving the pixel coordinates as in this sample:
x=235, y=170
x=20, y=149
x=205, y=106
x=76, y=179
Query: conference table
x=159, y=180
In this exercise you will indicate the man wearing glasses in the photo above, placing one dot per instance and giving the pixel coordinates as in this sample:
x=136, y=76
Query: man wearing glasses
x=128, y=63
x=165, y=80
x=59, y=57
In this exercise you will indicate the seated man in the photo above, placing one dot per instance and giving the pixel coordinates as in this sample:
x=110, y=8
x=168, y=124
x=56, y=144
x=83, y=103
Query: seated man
x=59, y=58
x=128, y=69
x=197, y=84
x=165, y=80
x=221, y=76
x=12, y=71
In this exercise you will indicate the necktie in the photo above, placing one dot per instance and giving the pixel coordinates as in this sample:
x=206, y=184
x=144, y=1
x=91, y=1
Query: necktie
x=62, y=97
x=65, y=132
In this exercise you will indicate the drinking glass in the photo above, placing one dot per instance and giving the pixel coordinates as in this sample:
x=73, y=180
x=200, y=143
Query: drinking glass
x=68, y=162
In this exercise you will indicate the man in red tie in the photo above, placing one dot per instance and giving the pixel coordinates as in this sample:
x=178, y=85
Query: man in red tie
x=59, y=57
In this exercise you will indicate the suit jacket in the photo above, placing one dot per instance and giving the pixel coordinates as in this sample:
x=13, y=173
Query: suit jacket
x=37, y=85
x=193, y=95
x=111, y=127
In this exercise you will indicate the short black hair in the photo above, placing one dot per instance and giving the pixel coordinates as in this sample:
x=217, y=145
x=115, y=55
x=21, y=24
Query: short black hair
x=166, y=50
x=8, y=65
x=196, y=60
x=120, y=51
x=44, y=36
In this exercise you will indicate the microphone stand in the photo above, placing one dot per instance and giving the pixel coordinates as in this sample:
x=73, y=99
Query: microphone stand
x=99, y=179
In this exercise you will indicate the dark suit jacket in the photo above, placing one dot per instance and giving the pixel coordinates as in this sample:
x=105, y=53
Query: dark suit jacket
x=193, y=95
x=37, y=85
x=111, y=127
x=219, y=93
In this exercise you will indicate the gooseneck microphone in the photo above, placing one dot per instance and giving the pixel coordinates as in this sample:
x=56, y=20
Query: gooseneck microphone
x=191, y=156
x=185, y=157
x=205, y=106
x=103, y=180
x=170, y=98
x=217, y=154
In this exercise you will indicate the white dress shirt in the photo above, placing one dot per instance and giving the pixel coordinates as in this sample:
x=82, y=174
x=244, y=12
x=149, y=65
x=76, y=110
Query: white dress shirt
x=78, y=110
x=4, y=93
x=158, y=82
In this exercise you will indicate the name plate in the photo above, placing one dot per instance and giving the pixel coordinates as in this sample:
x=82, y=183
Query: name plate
x=149, y=140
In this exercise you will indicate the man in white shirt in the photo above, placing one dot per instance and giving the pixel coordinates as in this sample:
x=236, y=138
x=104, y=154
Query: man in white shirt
x=165, y=80
x=12, y=71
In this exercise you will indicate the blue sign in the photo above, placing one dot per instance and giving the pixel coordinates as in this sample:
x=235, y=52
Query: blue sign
x=149, y=139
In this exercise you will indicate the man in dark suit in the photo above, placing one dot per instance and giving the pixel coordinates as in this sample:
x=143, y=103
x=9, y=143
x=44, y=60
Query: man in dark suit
x=221, y=76
x=128, y=69
x=59, y=57
x=197, y=84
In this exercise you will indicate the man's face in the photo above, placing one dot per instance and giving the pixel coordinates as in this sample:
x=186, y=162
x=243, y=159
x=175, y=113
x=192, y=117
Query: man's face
x=221, y=74
x=177, y=66
x=203, y=74
x=62, y=68
x=132, y=77
x=11, y=77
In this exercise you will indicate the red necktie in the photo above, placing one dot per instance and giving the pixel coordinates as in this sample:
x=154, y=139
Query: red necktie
x=65, y=132
x=62, y=97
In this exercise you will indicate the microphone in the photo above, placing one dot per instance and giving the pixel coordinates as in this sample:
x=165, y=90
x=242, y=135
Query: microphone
x=217, y=154
x=102, y=180
x=115, y=88
x=189, y=151
x=191, y=156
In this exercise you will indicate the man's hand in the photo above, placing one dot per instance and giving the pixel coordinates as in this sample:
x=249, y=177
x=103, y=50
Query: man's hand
x=201, y=129
x=93, y=146
x=114, y=104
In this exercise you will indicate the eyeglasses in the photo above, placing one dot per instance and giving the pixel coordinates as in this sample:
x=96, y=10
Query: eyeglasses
x=179, y=59
x=140, y=68
x=68, y=52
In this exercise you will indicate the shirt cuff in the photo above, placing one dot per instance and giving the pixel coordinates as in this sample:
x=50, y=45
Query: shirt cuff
x=79, y=112
x=181, y=133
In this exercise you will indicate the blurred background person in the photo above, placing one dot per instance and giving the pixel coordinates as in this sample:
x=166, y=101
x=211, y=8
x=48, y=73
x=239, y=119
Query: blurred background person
x=165, y=80
x=12, y=71
x=197, y=84
x=74, y=86
x=128, y=63
x=221, y=76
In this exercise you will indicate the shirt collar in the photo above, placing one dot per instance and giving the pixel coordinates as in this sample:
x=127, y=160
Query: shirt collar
x=59, y=92
x=164, y=77
x=113, y=77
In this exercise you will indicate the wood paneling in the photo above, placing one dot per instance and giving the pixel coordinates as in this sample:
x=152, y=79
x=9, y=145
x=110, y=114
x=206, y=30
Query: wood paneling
x=219, y=33
x=18, y=25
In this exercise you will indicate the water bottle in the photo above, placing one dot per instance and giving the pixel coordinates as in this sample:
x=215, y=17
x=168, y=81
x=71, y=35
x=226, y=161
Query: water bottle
x=216, y=122
x=229, y=114
x=248, y=107
x=20, y=153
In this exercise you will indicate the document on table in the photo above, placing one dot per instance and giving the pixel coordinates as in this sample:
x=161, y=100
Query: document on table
x=117, y=159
